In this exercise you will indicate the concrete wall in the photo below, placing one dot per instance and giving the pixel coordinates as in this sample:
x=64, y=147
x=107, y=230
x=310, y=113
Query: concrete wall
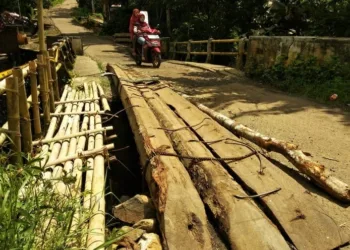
x=264, y=51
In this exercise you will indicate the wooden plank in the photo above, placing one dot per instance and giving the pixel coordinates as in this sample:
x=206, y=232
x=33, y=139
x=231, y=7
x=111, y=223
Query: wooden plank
x=225, y=40
x=307, y=223
x=180, y=211
x=224, y=53
x=199, y=53
x=255, y=230
x=121, y=35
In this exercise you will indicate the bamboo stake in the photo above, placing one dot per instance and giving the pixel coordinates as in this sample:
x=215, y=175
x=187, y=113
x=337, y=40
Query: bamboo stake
x=96, y=234
x=83, y=154
x=105, y=104
x=26, y=128
x=80, y=100
x=73, y=135
x=53, y=65
x=13, y=118
x=49, y=80
x=44, y=92
x=35, y=101
x=316, y=171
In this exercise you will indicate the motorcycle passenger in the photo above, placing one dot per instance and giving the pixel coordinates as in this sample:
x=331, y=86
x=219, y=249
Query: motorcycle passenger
x=133, y=21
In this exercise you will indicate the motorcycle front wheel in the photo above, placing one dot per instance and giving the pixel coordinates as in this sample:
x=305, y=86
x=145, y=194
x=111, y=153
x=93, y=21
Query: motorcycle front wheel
x=156, y=60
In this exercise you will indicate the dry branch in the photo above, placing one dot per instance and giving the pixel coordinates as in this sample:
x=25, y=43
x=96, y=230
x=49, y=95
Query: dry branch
x=316, y=171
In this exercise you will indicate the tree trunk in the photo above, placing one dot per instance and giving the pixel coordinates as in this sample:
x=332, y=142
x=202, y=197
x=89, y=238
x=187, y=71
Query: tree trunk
x=168, y=19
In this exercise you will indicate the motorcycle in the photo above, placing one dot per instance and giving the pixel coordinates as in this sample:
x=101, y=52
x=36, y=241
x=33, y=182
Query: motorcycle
x=151, y=50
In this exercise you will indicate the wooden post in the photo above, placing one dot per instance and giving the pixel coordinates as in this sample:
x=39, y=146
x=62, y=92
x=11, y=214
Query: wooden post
x=35, y=101
x=174, y=51
x=188, y=56
x=53, y=65
x=44, y=93
x=241, y=54
x=41, y=25
x=26, y=128
x=13, y=118
x=49, y=80
x=210, y=40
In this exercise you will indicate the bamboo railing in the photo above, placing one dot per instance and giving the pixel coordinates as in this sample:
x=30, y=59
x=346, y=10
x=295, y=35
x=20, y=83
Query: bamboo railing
x=42, y=74
x=210, y=49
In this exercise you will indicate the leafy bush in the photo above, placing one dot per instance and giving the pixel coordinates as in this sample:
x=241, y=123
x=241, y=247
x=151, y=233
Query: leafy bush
x=310, y=78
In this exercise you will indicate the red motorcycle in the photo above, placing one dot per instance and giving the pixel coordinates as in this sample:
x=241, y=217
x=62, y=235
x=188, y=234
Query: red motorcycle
x=151, y=50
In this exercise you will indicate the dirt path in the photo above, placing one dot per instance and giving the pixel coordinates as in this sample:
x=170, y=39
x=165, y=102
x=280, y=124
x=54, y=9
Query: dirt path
x=320, y=130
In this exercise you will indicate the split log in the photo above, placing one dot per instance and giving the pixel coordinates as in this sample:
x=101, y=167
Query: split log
x=74, y=135
x=26, y=127
x=13, y=118
x=217, y=188
x=182, y=226
x=298, y=212
x=96, y=234
x=35, y=100
x=316, y=171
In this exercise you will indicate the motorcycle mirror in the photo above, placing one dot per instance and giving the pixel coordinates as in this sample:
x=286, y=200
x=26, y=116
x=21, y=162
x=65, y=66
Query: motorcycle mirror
x=157, y=27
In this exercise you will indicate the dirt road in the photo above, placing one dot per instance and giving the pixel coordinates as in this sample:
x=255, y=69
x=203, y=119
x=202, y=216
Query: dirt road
x=322, y=131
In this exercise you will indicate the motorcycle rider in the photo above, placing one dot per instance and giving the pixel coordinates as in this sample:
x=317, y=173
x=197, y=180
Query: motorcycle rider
x=142, y=27
x=133, y=21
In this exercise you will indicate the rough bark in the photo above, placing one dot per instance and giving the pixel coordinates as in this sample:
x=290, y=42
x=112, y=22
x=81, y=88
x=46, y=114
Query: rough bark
x=182, y=226
x=316, y=171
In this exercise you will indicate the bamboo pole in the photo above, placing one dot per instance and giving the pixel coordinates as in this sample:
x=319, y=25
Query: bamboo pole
x=80, y=100
x=105, y=104
x=49, y=80
x=73, y=135
x=26, y=128
x=316, y=171
x=83, y=154
x=35, y=100
x=209, y=50
x=90, y=113
x=91, y=146
x=96, y=234
x=53, y=65
x=44, y=92
x=13, y=118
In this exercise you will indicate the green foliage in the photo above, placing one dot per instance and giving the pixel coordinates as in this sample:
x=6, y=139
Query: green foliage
x=311, y=79
x=28, y=203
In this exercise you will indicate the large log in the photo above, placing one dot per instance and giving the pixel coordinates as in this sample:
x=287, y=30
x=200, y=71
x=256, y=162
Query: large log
x=316, y=171
x=215, y=185
x=180, y=211
x=296, y=207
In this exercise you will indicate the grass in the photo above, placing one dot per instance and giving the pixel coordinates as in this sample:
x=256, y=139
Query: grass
x=307, y=77
x=57, y=2
x=38, y=218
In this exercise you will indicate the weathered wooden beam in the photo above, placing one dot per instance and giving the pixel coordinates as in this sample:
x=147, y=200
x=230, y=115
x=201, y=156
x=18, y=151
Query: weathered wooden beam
x=182, y=227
